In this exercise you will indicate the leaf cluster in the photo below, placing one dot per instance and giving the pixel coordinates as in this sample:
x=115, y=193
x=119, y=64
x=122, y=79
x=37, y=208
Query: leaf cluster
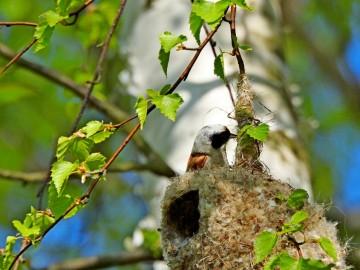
x=211, y=13
x=168, y=104
x=266, y=241
x=49, y=19
x=30, y=230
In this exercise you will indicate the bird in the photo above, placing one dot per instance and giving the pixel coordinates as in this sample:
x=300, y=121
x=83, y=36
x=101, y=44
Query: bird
x=209, y=148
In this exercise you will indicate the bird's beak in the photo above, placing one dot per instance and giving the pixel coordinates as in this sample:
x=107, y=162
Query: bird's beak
x=233, y=136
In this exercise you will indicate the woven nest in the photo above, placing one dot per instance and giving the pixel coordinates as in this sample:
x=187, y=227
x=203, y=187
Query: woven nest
x=210, y=220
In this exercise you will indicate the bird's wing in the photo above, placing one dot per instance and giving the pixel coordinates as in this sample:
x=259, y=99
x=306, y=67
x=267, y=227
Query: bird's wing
x=196, y=162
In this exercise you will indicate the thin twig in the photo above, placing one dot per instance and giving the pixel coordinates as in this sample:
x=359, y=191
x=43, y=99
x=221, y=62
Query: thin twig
x=103, y=106
x=107, y=108
x=76, y=13
x=101, y=262
x=84, y=198
x=8, y=24
x=213, y=45
x=236, y=50
x=187, y=70
x=39, y=176
x=97, y=74
x=17, y=56
x=100, y=65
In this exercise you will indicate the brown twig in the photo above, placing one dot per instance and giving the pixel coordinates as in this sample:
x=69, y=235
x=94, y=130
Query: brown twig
x=107, y=108
x=213, y=45
x=8, y=24
x=76, y=13
x=39, y=176
x=17, y=56
x=84, y=198
x=187, y=70
x=101, y=262
x=296, y=244
x=97, y=74
x=100, y=65
x=236, y=50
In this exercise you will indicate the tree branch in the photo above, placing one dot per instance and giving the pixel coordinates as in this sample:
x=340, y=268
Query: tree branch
x=107, y=108
x=16, y=57
x=100, y=65
x=36, y=177
x=8, y=24
x=100, y=262
x=236, y=50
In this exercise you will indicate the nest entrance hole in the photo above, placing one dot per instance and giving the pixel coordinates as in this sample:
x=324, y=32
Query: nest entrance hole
x=184, y=214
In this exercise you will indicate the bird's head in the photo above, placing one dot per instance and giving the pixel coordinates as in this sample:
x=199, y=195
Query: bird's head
x=211, y=138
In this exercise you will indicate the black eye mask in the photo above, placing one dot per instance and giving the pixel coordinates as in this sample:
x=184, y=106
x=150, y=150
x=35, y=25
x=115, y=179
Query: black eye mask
x=219, y=139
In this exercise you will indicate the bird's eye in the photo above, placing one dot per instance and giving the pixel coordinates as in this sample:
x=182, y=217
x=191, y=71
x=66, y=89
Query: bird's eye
x=219, y=139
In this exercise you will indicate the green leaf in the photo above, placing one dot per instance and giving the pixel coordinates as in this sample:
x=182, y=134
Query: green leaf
x=58, y=203
x=282, y=260
x=81, y=147
x=10, y=242
x=237, y=45
x=60, y=173
x=310, y=264
x=169, y=41
x=153, y=94
x=8, y=258
x=152, y=241
x=298, y=217
x=62, y=6
x=92, y=127
x=101, y=136
x=63, y=145
x=43, y=33
x=164, y=60
x=74, y=211
x=94, y=162
x=167, y=104
x=287, y=228
x=165, y=88
x=245, y=47
x=328, y=247
x=280, y=197
x=195, y=22
x=141, y=110
x=258, y=133
x=74, y=145
x=26, y=231
x=243, y=4
x=211, y=12
x=52, y=18
x=263, y=245
x=45, y=28
x=294, y=224
x=297, y=199
x=219, y=67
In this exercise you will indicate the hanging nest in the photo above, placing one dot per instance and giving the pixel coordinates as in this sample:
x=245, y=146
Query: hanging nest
x=210, y=220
